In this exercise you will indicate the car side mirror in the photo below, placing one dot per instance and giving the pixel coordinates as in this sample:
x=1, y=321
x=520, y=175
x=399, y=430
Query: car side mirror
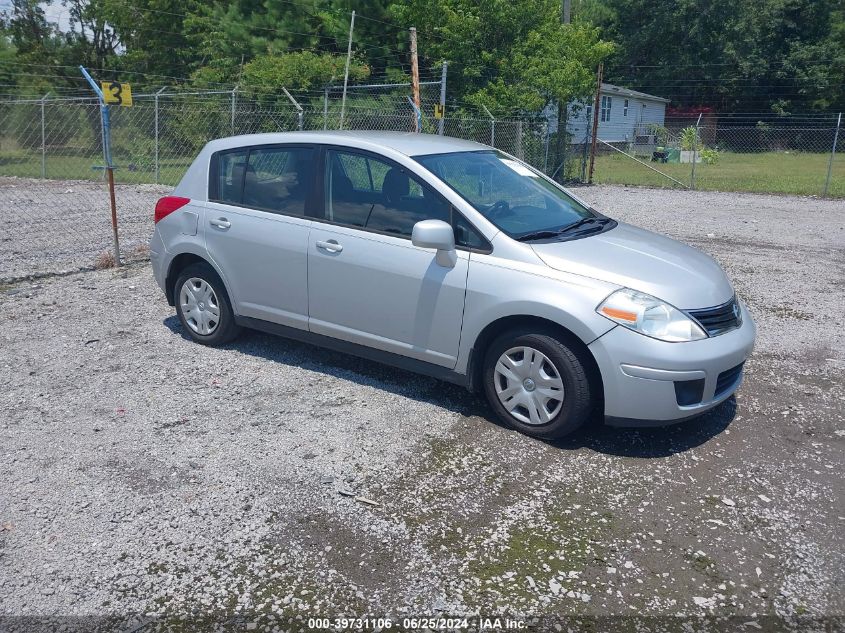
x=439, y=235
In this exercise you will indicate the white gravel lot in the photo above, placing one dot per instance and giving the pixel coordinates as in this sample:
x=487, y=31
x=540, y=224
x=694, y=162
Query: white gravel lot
x=60, y=226
x=146, y=476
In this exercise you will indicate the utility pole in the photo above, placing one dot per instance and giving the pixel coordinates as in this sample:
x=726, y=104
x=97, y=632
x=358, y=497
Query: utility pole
x=346, y=73
x=562, y=108
x=415, y=75
x=596, y=106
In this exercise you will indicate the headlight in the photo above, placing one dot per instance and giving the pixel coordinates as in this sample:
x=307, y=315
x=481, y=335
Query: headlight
x=649, y=315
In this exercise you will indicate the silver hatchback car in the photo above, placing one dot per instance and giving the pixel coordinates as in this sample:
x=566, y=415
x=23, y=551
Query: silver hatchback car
x=455, y=260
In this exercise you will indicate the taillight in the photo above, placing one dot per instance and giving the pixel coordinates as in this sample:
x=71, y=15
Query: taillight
x=168, y=204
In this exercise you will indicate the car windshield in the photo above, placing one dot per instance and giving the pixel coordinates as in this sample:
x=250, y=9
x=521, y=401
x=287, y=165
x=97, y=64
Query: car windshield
x=514, y=198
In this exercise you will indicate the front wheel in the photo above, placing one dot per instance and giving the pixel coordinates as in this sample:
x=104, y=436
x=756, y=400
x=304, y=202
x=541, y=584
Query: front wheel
x=536, y=384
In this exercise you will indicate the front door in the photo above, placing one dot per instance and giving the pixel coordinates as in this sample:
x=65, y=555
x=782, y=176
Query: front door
x=258, y=230
x=367, y=283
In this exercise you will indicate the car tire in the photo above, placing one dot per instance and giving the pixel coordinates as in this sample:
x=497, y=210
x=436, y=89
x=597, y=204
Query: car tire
x=549, y=397
x=203, y=306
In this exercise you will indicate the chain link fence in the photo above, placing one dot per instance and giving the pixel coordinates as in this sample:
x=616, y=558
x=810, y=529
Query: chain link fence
x=53, y=187
x=801, y=155
x=52, y=167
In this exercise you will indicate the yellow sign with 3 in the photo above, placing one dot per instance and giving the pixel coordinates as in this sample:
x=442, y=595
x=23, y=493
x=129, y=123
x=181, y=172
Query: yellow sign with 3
x=116, y=93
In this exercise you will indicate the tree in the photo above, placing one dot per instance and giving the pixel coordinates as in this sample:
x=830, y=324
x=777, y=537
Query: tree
x=265, y=75
x=769, y=55
x=509, y=55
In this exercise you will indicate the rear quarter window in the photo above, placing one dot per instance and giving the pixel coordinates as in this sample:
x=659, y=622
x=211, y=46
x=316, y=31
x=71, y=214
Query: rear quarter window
x=227, y=180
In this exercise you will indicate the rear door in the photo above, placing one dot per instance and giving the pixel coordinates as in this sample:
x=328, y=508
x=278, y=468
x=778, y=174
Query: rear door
x=258, y=227
x=367, y=283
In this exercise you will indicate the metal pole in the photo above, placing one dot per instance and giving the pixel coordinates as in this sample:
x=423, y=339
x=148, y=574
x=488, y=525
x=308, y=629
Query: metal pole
x=546, y=152
x=326, y=108
x=346, y=72
x=492, y=126
x=156, y=117
x=596, y=106
x=43, y=140
x=832, y=154
x=296, y=105
x=566, y=11
x=442, y=120
x=695, y=152
x=234, y=96
x=104, y=114
x=415, y=76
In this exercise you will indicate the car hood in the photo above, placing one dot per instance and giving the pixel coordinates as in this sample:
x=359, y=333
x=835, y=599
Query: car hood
x=645, y=261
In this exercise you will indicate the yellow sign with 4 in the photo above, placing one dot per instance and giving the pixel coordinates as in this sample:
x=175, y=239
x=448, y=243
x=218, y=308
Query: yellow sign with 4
x=116, y=93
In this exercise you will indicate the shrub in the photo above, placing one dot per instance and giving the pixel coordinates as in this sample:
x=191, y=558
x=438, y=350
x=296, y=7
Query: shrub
x=709, y=156
x=689, y=138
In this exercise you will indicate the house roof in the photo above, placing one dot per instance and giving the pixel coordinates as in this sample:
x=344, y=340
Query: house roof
x=610, y=89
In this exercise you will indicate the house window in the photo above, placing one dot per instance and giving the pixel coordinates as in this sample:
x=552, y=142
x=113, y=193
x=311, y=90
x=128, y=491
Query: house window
x=590, y=114
x=606, y=102
x=625, y=108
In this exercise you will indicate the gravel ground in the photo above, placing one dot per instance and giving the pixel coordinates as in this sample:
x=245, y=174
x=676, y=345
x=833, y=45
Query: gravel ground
x=57, y=226
x=147, y=476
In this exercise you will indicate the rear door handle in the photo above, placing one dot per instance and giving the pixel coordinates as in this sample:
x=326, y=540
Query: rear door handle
x=220, y=223
x=331, y=246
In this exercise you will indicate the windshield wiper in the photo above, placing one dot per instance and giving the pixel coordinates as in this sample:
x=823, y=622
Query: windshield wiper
x=582, y=222
x=539, y=235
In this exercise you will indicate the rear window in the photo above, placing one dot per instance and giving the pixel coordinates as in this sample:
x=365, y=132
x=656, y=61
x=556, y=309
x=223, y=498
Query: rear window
x=274, y=179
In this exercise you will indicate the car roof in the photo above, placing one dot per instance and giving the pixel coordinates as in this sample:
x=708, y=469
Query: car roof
x=408, y=143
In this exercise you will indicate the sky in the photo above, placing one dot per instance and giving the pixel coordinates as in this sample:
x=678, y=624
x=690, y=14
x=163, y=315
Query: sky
x=55, y=13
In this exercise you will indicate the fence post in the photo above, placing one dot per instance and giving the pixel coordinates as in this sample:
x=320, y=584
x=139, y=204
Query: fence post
x=442, y=120
x=492, y=126
x=695, y=152
x=109, y=167
x=297, y=106
x=156, y=118
x=234, y=98
x=43, y=140
x=546, y=151
x=520, y=151
x=326, y=108
x=832, y=154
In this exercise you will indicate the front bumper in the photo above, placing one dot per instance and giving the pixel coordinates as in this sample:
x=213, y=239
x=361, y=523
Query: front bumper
x=640, y=373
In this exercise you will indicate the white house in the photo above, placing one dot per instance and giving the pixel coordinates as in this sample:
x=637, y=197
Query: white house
x=624, y=115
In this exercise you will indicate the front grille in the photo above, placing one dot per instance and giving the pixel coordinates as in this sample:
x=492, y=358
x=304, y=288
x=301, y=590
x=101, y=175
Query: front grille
x=727, y=379
x=719, y=319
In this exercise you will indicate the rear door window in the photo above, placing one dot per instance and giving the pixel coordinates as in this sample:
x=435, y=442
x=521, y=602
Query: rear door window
x=278, y=179
x=273, y=179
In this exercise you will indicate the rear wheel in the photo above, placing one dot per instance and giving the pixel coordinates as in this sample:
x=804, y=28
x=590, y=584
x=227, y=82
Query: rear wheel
x=203, y=306
x=537, y=384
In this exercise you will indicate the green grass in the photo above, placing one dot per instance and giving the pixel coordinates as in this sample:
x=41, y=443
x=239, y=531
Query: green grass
x=27, y=164
x=799, y=173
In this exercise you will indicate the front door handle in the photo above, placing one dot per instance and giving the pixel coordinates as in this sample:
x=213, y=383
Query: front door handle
x=331, y=246
x=220, y=223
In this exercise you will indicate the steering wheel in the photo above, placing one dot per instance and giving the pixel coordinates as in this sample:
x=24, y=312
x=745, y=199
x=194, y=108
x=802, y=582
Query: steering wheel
x=498, y=208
